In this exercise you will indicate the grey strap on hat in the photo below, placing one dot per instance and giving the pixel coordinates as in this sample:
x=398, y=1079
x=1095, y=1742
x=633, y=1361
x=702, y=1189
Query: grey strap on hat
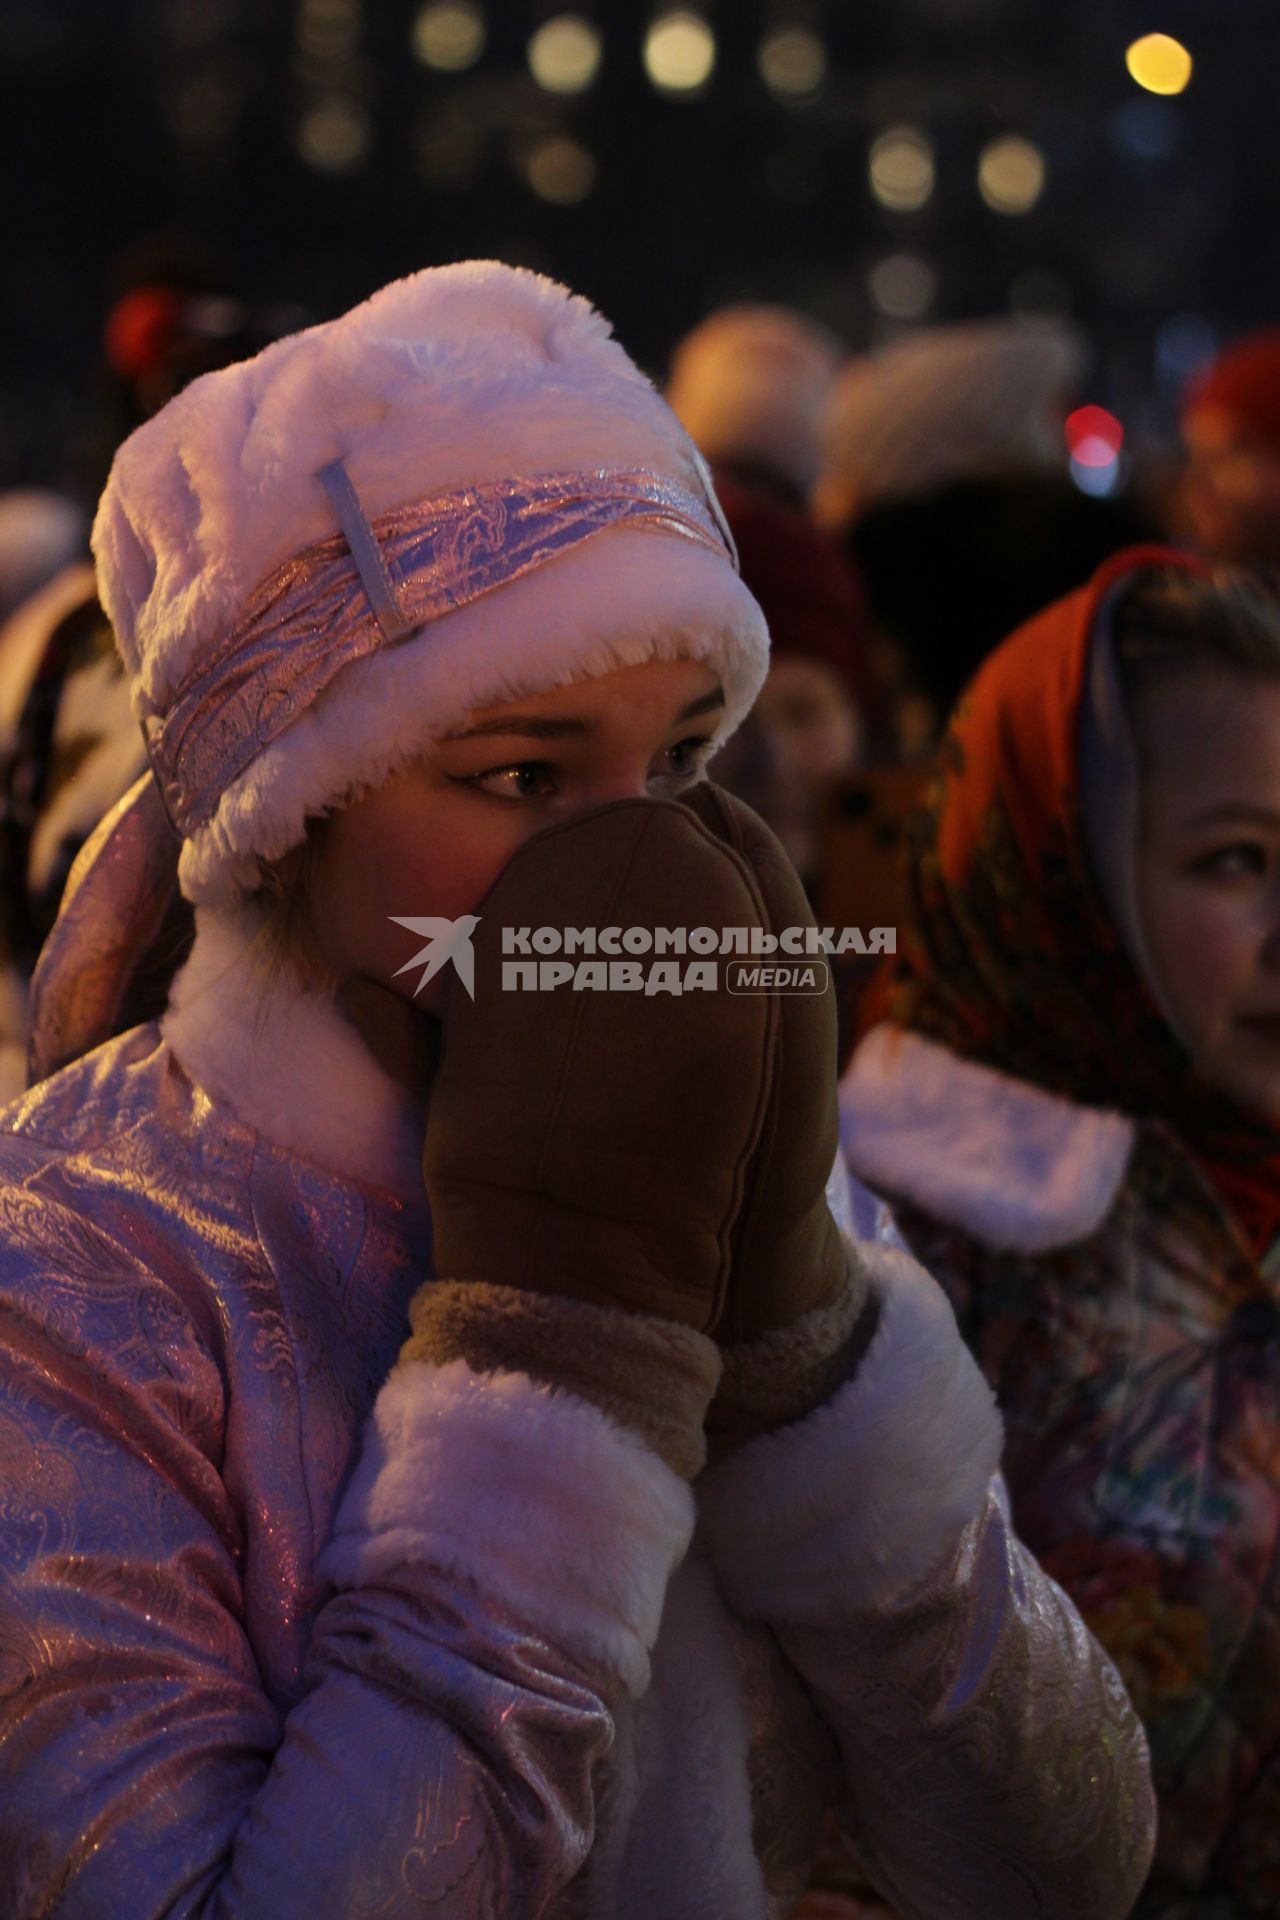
x=365, y=551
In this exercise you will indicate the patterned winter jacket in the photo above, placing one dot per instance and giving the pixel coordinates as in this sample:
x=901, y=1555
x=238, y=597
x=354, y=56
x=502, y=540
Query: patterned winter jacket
x=1140, y=1387
x=283, y=1633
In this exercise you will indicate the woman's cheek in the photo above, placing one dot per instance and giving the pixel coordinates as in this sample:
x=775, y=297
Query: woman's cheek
x=1200, y=944
x=472, y=838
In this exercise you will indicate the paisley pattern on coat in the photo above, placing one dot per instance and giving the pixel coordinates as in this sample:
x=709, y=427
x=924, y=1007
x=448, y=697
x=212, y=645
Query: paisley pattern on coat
x=194, y=1325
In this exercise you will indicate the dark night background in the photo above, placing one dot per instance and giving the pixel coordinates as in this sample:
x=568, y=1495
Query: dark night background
x=128, y=119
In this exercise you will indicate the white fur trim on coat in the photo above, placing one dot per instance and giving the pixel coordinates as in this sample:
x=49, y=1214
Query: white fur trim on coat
x=286, y=1061
x=1013, y=1165
x=566, y=1519
x=680, y=1844
x=870, y=1493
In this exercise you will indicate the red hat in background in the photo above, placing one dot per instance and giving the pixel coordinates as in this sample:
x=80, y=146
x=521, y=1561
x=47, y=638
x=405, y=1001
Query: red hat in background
x=140, y=329
x=1243, y=382
x=810, y=594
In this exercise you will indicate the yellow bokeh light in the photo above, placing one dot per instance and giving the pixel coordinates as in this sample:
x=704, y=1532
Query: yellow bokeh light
x=564, y=54
x=1011, y=174
x=901, y=169
x=792, y=62
x=1159, y=63
x=679, y=52
x=334, y=134
x=449, y=35
x=560, y=170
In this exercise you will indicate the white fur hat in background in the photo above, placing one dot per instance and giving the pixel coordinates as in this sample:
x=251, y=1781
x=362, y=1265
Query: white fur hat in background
x=751, y=385
x=947, y=404
x=41, y=533
x=453, y=378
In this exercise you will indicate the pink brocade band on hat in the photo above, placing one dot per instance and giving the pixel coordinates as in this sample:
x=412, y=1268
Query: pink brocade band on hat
x=312, y=617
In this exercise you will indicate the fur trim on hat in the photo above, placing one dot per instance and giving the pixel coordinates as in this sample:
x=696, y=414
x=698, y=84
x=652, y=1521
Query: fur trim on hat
x=622, y=597
x=452, y=377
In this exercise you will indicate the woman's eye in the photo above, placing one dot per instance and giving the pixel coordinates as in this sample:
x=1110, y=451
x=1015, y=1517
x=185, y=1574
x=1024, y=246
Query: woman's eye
x=684, y=760
x=526, y=780
x=1243, y=860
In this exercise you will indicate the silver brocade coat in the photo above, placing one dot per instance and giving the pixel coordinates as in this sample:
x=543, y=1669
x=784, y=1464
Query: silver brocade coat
x=194, y=1325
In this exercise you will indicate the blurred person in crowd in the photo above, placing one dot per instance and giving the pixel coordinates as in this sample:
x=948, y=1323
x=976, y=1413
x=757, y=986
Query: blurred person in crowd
x=41, y=532
x=1230, y=497
x=1071, y=1098
x=945, y=471
x=69, y=744
x=751, y=385
x=459, y=1455
x=820, y=702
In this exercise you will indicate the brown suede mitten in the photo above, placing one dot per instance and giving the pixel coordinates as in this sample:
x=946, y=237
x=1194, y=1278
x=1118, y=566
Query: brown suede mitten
x=789, y=1257
x=595, y=1144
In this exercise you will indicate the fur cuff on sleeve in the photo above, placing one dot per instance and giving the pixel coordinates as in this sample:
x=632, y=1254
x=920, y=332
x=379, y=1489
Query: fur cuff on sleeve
x=648, y=1374
x=872, y=1491
x=536, y=1498
x=769, y=1382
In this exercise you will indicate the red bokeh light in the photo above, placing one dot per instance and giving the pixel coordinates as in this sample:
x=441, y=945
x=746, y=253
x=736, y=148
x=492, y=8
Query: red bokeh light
x=1094, y=436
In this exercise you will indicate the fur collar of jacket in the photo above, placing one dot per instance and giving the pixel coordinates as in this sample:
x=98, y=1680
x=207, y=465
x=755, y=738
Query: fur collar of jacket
x=1018, y=1167
x=286, y=1061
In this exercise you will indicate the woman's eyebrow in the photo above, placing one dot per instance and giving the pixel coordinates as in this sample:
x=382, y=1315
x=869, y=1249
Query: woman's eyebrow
x=534, y=726
x=1235, y=810
x=707, y=704
x=537, y=726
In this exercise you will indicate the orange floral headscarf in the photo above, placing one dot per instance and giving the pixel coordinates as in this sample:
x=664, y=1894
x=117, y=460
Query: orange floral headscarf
x=1011, y=955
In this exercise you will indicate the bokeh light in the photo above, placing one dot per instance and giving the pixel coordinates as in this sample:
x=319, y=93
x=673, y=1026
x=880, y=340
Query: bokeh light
x=449, y=35
x=1159, y=63
x=328, y=30
x=903, y=286
x=564, y=54
x=1011, y=174
x=1100, y=481
x=901, y=169
x=1095, y=443
x=792, y=62
x=560, y=170
x=334, y=134
x=1094, y=436
x=679, y=53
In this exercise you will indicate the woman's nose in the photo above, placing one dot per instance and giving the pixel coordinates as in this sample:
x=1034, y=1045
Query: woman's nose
x=628, y=783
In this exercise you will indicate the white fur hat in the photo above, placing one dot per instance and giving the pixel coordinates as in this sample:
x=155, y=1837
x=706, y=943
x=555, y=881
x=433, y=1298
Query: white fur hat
x=947, y=404
x=452, y=378
x=751, y=384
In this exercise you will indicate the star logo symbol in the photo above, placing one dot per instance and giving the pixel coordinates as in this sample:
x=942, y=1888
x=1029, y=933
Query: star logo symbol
x=446, y=940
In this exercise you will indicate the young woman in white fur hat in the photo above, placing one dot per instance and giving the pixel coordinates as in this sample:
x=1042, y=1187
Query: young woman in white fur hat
x=300, y=1617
